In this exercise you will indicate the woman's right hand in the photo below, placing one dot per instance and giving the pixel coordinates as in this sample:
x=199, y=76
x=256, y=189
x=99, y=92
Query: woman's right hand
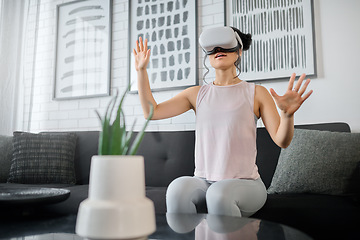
x=141, y=54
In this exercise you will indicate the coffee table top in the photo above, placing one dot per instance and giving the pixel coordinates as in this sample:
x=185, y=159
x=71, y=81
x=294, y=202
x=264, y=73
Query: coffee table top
x=169, y=226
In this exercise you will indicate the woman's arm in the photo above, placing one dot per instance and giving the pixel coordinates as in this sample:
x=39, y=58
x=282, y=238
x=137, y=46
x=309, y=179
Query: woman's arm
x=181, y=103
x=281, y=128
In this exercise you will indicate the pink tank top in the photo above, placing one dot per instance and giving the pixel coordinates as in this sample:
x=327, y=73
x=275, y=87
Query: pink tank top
x=225, y=145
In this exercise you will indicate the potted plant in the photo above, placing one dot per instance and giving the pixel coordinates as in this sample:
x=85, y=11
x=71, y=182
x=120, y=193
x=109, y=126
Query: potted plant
x=117, y=207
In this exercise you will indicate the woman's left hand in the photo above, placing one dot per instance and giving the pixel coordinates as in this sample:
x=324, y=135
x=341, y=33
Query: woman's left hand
x=293, y=98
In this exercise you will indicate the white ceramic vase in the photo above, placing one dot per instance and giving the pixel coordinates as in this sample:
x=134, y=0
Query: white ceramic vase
x=117, y=207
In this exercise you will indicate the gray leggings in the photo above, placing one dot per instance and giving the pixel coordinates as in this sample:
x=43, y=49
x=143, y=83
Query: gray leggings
x=230, y=197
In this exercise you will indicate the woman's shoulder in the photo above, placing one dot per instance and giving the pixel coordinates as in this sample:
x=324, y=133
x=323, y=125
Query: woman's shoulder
x=193, y=90
x=261, y=93
x=260, y=90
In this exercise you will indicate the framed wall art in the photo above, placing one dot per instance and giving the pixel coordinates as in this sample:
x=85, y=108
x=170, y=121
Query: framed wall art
x=83, y=49
x=282, y=37
x=171, y=29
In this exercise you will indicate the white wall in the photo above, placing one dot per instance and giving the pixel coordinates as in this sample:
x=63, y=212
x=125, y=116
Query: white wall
x=335, y=88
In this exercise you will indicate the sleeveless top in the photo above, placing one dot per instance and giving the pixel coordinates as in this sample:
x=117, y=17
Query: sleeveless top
x=225, y=146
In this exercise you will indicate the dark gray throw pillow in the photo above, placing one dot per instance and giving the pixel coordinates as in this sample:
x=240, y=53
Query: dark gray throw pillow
x=5, y=157
x=43, y=158
x=318, y=162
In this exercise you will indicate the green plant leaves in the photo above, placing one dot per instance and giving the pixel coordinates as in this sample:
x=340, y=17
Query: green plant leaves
x=113, y=139
x=140, y=135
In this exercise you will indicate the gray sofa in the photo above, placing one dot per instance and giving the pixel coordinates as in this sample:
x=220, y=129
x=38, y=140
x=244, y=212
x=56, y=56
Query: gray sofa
x=169, y=155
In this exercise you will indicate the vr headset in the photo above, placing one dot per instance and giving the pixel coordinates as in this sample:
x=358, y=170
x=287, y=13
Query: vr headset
x=220, y=39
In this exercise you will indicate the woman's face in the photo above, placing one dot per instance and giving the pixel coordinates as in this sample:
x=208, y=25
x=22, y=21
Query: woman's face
x=223, y=60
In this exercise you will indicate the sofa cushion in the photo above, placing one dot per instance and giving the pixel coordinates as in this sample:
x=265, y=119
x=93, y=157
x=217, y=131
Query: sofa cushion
x=5, y=157
x=86, y=146
x=168, y=155
x=158, y=196
x=318, y=162
x=43, y=158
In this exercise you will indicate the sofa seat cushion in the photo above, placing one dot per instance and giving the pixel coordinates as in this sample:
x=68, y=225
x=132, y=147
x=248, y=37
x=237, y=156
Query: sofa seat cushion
x=319, y=215
x=318, y=162
x=45, y=158
x=158, y=196
x=78, y=193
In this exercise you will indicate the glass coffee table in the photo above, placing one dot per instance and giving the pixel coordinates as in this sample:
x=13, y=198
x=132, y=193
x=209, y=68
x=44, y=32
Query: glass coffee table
x=168, y=226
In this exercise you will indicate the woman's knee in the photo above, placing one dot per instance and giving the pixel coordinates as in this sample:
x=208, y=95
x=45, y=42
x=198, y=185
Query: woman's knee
x=220, y=202
x=215, y=194
x=183, y=185
x=235, y=197
x=183, y=193
x=178, y=187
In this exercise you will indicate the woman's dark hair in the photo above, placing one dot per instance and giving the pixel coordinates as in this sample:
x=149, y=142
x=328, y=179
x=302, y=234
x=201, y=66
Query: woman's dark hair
x=246, y=41
x=245, y=38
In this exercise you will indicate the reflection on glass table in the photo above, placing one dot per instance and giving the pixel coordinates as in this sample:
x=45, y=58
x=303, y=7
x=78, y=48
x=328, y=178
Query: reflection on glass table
x=214, y=227
x=169, y=227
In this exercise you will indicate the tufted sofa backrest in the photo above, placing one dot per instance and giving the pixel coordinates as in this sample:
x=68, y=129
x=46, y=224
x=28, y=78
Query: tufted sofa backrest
x=169, y=155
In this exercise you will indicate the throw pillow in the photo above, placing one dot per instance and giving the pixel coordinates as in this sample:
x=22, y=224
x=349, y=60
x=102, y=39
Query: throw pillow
x=318, y=162
x=5, y=157
x=43, y=158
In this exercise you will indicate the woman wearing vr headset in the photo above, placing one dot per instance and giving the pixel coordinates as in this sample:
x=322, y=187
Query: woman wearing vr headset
x=226, y=176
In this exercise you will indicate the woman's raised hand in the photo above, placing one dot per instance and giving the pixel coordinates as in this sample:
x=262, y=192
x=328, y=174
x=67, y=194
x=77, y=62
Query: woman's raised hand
x=293, y=98
x=141, y=54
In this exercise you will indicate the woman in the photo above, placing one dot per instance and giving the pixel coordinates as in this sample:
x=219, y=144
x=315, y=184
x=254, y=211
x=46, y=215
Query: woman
x=226, y=175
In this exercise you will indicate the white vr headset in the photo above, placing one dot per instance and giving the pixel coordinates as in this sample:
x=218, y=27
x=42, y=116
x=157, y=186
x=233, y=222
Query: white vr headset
x=223, y=39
